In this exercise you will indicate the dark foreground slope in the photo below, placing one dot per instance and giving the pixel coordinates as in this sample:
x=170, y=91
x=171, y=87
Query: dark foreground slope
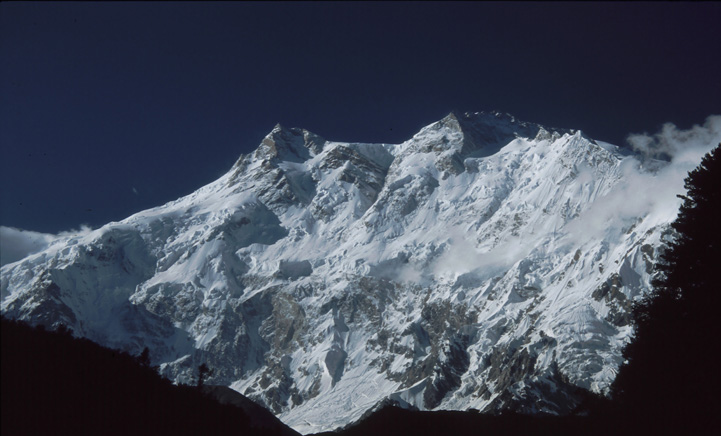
x=396, y=421
x=604, y=419
x=53, y=383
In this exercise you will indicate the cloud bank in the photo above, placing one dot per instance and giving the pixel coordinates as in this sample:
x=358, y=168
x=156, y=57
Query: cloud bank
x=17, y=244
x=671, y=143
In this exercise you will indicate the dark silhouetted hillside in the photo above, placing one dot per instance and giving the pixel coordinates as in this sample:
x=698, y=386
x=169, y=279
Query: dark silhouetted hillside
x=53, y=383
x=396, y=421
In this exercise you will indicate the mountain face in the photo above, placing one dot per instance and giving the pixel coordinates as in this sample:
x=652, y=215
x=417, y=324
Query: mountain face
x=464, y=268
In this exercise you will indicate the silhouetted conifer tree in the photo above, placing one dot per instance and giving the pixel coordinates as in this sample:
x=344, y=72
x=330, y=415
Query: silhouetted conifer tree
x=63, y=330
x=144, y=358
x=671, y=375
x=203, y=373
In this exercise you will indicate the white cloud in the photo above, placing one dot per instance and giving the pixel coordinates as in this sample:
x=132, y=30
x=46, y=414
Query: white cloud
x=670, y=142
x=16, y=244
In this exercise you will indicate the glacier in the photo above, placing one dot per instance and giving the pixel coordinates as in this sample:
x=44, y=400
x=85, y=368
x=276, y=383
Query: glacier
x=485, y=263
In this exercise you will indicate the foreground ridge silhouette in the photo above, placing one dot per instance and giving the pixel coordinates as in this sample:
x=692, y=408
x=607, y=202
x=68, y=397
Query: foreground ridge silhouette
x=53, y=383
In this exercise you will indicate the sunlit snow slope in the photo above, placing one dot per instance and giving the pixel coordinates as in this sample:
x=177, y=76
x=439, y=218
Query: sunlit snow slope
x=484, y=263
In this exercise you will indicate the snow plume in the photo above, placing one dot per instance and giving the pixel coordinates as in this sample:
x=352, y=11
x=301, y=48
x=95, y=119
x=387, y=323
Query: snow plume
x=462, y=256
x=671, y=142
x=650, y=187
x=16, y=244
x=83, y=230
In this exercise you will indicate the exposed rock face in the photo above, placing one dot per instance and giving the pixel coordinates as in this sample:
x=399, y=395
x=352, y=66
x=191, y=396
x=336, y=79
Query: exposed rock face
x=457, y=270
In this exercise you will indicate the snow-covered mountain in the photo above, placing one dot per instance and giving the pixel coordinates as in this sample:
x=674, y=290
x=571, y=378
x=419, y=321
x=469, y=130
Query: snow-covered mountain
x=485, y=263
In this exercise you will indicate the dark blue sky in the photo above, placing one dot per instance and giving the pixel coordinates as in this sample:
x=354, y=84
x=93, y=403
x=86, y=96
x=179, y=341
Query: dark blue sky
x=110, y=108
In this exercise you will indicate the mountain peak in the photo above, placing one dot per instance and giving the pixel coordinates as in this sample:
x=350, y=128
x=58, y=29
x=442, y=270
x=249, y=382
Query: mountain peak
x=464, y=268
x=474, y=134
x=289, y=144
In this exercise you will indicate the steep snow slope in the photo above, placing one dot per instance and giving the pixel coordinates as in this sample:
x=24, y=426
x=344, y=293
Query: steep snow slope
x=476, y=265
